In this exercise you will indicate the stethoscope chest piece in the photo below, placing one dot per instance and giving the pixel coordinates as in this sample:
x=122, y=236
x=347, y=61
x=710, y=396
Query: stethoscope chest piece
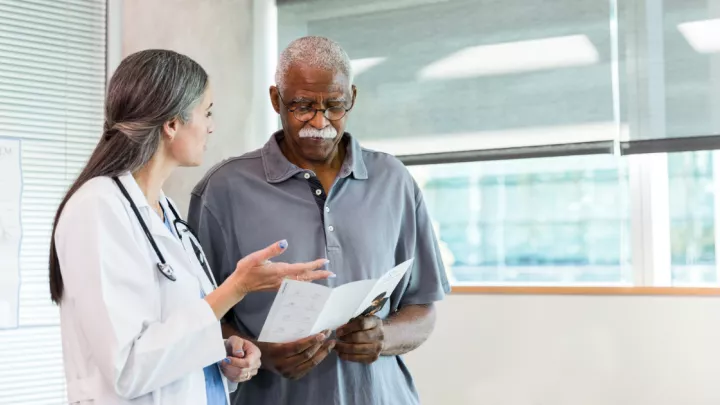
x=167, y=271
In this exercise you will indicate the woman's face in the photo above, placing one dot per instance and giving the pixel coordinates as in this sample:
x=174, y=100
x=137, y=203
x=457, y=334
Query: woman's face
x=189, y=142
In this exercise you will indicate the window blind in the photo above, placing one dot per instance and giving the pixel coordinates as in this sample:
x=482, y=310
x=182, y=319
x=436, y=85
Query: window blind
x=52, y=86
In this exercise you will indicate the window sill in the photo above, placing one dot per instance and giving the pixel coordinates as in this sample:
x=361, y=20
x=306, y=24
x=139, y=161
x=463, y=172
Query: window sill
x=537, y=290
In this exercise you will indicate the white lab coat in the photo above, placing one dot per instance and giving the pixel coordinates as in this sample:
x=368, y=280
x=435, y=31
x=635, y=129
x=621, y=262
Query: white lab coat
x=130, y=336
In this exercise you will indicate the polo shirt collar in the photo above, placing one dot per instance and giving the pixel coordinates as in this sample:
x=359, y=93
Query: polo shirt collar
x=278, y=168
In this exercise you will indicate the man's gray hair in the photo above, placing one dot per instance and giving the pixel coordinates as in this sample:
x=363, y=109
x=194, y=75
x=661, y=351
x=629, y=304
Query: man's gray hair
x=316, y=52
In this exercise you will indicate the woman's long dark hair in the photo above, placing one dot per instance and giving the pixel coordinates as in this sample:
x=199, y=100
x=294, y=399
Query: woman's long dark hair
x=148, y=89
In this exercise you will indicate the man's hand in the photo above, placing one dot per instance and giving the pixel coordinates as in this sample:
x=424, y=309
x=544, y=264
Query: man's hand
x=361, y=340
x=294, y=360
x=242, y=361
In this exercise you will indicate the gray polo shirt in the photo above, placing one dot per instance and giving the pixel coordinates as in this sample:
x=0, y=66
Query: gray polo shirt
x=372, y=219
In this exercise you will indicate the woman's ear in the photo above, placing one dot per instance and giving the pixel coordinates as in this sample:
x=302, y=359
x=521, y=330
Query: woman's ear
x=170, y=128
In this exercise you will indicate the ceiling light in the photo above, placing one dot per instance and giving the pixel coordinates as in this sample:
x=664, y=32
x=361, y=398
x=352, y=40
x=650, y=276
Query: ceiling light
x=514, y=57
x=362, y=65
x=703, y=36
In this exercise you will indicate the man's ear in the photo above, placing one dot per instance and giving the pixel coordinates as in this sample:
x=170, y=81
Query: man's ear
x=274, y=98
x=354, y=94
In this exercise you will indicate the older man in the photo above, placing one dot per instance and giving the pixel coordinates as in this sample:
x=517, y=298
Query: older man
x=314, y=185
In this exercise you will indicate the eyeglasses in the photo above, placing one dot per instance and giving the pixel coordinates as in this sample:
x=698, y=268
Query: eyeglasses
x=306, y=113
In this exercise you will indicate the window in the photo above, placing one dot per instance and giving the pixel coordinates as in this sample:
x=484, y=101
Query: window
x=560, y=221
x=449, y=75
x=692, y=217
x=52, y=86
x=561, y=143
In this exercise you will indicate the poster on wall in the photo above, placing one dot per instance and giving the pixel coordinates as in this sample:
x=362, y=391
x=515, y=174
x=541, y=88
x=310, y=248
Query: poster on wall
x=10, y=231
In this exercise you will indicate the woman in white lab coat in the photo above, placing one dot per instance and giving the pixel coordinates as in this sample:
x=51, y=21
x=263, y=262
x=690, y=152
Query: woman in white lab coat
x=138, y=306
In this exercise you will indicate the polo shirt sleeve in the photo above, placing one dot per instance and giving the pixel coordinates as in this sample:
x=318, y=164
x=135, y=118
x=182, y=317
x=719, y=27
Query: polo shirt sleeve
x=428, y=280
x=212, y=238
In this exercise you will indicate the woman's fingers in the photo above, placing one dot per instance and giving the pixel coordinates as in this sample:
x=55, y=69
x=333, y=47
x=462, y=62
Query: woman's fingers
x=234, y=363
x=262, y=255
x=307, y=271
x=236, y=369
x=298, y=268
x=315, y=275
x=234, y=346
x=256, y=274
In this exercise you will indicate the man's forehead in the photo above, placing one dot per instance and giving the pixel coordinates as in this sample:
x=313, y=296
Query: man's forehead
x=306, y=81
x=305, y=94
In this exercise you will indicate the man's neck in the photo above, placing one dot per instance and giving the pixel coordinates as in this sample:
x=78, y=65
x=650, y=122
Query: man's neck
x=331, y=166
x=326, y=171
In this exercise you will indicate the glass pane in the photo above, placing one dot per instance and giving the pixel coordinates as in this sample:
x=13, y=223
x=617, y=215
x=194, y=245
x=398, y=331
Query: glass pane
x=692, y=188
x=440, y=75
x=552, y=220
x=672, y=50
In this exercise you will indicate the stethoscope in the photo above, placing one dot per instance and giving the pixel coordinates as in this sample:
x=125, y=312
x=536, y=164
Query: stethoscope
x=182, y=229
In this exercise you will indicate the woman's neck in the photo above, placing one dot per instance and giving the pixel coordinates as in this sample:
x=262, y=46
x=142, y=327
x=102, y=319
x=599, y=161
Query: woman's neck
x=151, y=177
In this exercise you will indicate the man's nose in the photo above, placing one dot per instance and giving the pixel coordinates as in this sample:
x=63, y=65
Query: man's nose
x=319, y=121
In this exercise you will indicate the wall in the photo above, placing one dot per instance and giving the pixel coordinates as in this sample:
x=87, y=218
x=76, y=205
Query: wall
x=571, y=350
x=218, y=35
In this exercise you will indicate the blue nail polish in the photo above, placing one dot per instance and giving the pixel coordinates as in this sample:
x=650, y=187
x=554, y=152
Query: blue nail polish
x=283, y=244
x=227, y=361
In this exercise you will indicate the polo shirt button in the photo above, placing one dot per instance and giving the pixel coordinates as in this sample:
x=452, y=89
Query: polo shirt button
x=331, y=228
x=318, y=192
x=327, y=209
x=307, y=176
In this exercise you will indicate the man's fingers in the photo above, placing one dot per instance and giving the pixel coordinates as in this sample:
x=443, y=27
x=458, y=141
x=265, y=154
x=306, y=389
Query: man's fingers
x=358, y=358
x=358, y=325
x=365, y=336
x=291, y=349
x=358, y=353
x=302, y=357
x=312, y=362
x=356, y=348
x=258, y=257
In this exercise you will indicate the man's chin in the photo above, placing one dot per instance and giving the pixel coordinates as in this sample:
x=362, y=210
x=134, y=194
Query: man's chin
x=316, y=155
x=316, y=150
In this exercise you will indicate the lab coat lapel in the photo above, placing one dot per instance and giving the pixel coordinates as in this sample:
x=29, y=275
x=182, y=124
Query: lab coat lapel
x=170, y=247
x=192, y=259
x=168, y=243
x=159, y=230
x=155, y=225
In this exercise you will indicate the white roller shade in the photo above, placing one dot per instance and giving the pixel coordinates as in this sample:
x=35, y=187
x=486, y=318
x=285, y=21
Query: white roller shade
x=52, y=86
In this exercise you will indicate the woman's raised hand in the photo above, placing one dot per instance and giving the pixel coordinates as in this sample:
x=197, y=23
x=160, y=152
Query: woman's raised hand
x=255, y=272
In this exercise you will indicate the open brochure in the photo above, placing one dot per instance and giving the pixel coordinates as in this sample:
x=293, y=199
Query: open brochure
x=302, y=309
